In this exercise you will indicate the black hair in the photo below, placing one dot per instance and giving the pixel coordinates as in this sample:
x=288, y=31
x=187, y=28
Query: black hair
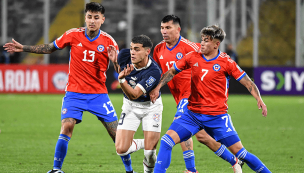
x=214, y=31
x=173, y=18
x=95, y=7
x=144, y=40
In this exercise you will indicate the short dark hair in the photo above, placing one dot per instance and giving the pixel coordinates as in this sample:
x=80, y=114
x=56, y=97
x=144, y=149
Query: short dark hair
x=175, y=19
x=95, y=7
x=144, y=40
x=214, y=31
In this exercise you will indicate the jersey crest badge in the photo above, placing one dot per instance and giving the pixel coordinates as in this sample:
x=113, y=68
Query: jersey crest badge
x=100, y=48
x=216, y=67
x=179, y=56
x=64, y=111
x=156, y=117
x=150, y=81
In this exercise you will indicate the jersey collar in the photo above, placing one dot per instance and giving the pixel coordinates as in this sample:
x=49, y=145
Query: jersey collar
x=180, y=37
x=148, y=65
x=89, y=37
x=219, y=52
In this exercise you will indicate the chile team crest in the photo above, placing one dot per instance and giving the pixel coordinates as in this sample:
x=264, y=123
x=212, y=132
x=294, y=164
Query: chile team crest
x=100, y=48
x=179, y=56
x=216, y=67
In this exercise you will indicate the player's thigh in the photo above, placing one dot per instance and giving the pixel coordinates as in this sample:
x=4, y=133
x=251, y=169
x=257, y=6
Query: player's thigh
x=151, y=139
x=128, y=119
x=72, y=106
x=124, y=139
x=219, y=127
x=102, y=107
x=152, y=120
x=181, y=108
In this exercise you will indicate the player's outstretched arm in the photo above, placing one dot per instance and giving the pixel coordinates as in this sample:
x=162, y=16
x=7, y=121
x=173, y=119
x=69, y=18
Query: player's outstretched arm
x=163, y=81
x=40, y=49
x=112, y=54
x=254, y=91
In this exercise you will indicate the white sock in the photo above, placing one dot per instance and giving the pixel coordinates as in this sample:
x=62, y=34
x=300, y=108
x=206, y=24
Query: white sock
x=149, y=160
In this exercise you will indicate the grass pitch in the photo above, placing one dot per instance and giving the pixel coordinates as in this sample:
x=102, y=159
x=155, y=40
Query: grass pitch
x=30, y=126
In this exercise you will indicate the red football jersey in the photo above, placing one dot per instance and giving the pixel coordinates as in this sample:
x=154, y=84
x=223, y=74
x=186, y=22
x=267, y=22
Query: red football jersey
x=166, y=57
x=89, y=60
x=209, y=81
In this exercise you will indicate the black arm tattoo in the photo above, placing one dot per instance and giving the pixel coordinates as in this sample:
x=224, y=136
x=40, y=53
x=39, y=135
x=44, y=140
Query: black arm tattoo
x=40, y=49
x=166, y=78
x=252, y=86
x=111, y=128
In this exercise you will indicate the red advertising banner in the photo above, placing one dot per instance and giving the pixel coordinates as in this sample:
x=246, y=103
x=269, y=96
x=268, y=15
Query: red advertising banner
x=33, y=78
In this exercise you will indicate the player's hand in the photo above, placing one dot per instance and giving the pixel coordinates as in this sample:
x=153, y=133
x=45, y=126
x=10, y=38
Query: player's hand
x=112, y=53
x=13, y=47
x=262, y=105
x=126, y=71
x=154, y=94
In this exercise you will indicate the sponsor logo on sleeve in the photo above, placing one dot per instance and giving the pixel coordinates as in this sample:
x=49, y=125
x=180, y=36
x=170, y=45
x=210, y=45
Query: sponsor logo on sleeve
x=150, y=81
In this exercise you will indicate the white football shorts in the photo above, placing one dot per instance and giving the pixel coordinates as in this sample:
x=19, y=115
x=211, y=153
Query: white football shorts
x=146, y=112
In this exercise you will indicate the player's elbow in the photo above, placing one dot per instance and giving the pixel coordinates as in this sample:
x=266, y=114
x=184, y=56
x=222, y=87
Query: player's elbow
x=133, y=97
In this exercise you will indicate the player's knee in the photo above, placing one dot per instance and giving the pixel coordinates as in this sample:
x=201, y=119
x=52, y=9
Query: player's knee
x=121, y=151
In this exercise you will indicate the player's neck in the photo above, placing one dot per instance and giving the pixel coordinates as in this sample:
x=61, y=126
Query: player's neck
x=211, y=55
x=172, y=43
x=142, y=64
x=92, y=34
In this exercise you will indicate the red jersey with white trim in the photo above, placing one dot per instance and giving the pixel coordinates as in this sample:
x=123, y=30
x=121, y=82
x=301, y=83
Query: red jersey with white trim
x=166, y=57
x=89, y=60
x=209, y=81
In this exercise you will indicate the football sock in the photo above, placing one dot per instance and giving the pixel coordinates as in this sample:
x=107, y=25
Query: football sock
x=149, y=160
x=126, y=160
x=189, y=160
x=252, y=161
x=226, y=155
x=61, y=150
x=136, y=145
x=164, y=159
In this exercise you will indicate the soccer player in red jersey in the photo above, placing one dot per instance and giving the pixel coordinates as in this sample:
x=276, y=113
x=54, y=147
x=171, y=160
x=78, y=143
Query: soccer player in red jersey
x=172, y=49
x=207, y=108
x=86, y=89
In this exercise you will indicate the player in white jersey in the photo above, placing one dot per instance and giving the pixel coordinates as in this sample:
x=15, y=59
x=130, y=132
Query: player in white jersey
x=140, y=74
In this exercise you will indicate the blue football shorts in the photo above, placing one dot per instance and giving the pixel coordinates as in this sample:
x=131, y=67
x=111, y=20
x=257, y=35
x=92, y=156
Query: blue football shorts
x=218, y=127
x=181, y=107
x=73, y=105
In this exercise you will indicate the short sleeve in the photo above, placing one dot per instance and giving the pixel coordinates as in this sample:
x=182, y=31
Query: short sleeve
x=235, y=70
x=150, y=81
x=183, y=64
x=64, y=40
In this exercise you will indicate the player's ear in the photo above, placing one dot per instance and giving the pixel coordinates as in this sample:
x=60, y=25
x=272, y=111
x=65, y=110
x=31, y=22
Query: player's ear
x=103, y=19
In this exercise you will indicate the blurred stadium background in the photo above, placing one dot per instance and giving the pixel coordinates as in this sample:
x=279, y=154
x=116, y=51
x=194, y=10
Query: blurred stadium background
x=267, y=36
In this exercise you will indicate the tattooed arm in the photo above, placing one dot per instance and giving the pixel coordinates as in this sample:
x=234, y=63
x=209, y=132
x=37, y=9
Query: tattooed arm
x=163, y=81
x=254, y=91
x=40, y=49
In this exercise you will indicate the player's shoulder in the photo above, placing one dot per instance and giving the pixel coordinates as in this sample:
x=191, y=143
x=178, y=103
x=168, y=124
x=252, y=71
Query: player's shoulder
x=75, y=30
x=225, y=57
x=160, y=45
x=105, y=35
x=155, y=67
x=124, y=57
x=190, y=44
